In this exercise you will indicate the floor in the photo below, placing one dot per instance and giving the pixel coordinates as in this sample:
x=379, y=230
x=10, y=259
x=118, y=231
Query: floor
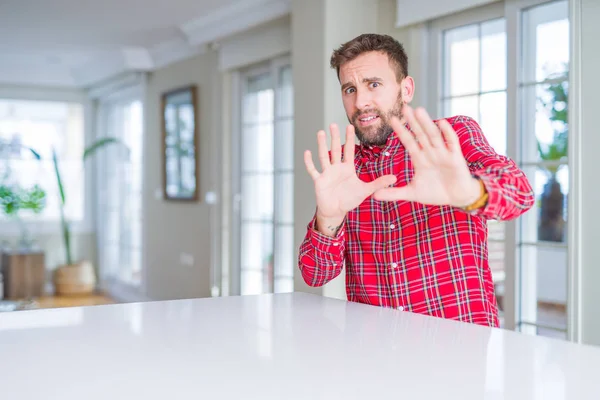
x=55, y=302
x=72, y=301
x=552, y=316
x=548, y=316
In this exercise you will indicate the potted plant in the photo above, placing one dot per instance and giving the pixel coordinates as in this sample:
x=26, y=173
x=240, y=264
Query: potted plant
x=23, y=266
x=74, y=277
x=552, y=224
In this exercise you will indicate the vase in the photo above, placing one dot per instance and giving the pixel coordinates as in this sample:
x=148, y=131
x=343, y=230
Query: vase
x=75, y=279
x=551, y=227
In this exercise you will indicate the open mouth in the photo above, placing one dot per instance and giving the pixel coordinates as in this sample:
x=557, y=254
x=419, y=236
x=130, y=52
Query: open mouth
x=368, y=120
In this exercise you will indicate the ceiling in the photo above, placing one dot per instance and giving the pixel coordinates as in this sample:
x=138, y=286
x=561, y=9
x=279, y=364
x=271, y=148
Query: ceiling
x=77, y=43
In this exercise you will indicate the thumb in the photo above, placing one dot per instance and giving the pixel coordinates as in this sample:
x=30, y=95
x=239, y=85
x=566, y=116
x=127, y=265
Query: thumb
x=381, y=183
x=394, y=194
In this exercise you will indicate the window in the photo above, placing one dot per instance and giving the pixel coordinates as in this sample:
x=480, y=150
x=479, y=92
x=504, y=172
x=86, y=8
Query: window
x=519, y=97
x=120, y=193
x=474, y=84
x=475, y=77
x=44, y=126
x=543, y=91
x=266, y=260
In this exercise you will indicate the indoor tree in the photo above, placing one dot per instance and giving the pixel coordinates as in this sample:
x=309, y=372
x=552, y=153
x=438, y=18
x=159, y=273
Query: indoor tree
x=552, y=223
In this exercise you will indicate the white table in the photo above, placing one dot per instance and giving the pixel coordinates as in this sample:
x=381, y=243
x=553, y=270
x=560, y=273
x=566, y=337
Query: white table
x=289, y=346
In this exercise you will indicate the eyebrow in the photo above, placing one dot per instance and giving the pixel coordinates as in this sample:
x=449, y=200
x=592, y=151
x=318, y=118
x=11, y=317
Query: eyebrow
x=365, y=80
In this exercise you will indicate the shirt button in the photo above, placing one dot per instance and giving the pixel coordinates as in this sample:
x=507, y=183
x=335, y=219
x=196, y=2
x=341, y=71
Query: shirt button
x=395, y=265
x=392, y=226
x=387, y=153
x=401, y=308
x=336, y=244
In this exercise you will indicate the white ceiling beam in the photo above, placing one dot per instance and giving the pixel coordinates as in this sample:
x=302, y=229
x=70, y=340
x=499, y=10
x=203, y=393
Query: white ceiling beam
x=409, y=12
x=234, y=19
x=173, y=51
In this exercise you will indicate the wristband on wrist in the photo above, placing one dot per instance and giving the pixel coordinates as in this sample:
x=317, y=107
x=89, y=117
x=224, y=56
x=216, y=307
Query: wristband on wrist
x=481, y=201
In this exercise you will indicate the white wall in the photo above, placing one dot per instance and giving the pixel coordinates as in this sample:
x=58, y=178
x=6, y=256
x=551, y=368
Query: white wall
x=308, y=68
x=587, y=159
x=173, y=229
x=256, y=45
x=317, y=96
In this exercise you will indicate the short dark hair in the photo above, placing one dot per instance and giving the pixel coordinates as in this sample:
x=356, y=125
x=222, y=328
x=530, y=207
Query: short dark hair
x=372, y=42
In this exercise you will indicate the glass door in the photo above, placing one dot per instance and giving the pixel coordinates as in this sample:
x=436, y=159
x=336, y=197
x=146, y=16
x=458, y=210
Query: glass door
x=543, y=90
x=265, y=184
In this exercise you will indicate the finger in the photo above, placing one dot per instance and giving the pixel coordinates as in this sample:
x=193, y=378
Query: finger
x=349, y=146
x=310, y=166
x=382, y=183
x=336, y=146
x=430, y=128
x=450, y=135
x=416, y=127
x=406, y=137
x=405, y=193
x=323, y=152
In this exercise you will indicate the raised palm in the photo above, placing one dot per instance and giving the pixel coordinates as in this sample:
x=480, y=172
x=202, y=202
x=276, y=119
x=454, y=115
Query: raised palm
x=441, y=173
x=338, y=189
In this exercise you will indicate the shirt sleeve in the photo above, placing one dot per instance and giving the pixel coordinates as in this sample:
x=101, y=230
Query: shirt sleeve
x=321, y=257
x=509, y=192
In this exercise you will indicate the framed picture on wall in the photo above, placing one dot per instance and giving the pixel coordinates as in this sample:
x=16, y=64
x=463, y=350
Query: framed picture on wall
x=180, y=144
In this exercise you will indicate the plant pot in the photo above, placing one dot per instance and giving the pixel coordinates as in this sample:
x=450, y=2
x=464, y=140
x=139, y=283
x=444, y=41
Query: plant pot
x=76, y=279
x=552, y=224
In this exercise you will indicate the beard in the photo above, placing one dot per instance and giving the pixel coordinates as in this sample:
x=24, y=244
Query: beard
x=377, y=135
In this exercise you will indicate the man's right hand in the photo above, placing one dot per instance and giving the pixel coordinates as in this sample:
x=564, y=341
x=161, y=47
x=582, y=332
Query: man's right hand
x=338, y=189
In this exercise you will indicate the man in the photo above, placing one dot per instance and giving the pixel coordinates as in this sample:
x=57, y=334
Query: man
x=406, y=210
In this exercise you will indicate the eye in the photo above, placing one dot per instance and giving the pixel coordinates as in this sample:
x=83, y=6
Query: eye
x=349, y=90
x=375, y=84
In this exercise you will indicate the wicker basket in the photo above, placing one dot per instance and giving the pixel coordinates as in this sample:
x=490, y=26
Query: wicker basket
x=76, y=279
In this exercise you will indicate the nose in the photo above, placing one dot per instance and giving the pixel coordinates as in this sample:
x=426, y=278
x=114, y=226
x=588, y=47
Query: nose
x=363, y=99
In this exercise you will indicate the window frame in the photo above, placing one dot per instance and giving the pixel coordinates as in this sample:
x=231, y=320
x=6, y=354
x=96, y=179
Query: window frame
x=436, y=45
x=512, y=11
x=116, y=287
x=12, y=229
x=239, y=78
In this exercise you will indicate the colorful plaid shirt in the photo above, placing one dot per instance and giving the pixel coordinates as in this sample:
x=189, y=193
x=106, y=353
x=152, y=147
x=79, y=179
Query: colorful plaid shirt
x=419, y=258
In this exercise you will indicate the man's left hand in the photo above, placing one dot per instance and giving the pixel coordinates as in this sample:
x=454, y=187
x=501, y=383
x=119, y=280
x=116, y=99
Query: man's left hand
x=441, y=174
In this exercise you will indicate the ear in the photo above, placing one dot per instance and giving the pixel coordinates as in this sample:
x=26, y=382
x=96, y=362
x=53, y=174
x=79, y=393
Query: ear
x=407, y=86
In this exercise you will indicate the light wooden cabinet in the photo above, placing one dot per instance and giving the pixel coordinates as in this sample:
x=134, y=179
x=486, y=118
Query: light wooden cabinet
x=24, y=274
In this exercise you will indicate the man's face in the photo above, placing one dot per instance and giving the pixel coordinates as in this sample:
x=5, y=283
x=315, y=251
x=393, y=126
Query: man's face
x=372, y=95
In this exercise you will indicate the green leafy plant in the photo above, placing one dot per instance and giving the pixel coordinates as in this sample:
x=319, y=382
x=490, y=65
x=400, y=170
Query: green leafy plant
x=66, y=230
x=558, y=113
x=9, y=200
x=14, y=199
x=552, y=224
